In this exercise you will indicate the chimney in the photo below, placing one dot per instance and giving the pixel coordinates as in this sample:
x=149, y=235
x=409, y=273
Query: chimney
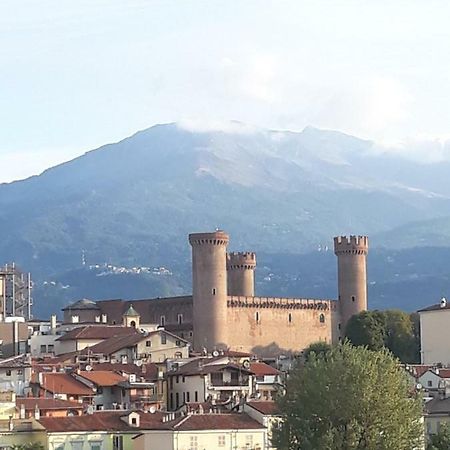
x=37, y=413
x=22, y=411
x=53, y=324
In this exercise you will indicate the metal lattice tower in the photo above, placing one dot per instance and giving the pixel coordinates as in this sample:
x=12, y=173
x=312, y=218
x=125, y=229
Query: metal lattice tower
x=15, y=292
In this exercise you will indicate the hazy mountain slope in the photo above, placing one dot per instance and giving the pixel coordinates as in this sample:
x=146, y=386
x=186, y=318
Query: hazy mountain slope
x=134, y=202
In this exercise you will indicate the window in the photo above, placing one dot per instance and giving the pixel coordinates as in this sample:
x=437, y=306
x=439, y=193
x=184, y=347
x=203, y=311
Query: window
x=171, y=400
x=100, y=408
x=178, y=379
x=184, y=397
x=99, y=390
x=57, y=446
x=177, y=400
x=50, y=348
x=222, y=441
x=290, y=318
x=190, y=333
x=148, y=343
x=162, y=321
x=257, y=317
x=339, y=326
x=75, y=319
x=133, y=421
x=171, y=382
x=322, y=318
x=184, y=379
x=96, y=445
x=163, y=339
x=193, y=443
x=180, y=318
x=188, y=396
x=117, y=442
x=19, y=372
x=196, y=396
x=8, y=373
x=214, y=291
x=77, y=445
x=43, y=349
x=178, y=343
x=430, y=383
x=353, y=298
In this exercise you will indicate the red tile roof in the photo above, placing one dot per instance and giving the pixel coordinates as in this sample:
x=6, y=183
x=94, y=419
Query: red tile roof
x=261, y=369
x=97, y=332
x=46, y=403
x=230, y=421
x=113, y=421
x=63, y=383
x=443, y=373
x=102, y=377
x=114, y=344
x=102, y=421
x=265, y=407
x=148, y=371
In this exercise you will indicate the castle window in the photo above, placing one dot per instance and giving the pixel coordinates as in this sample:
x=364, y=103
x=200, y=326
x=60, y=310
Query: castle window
x=180, y=318
x=214, y=291
x=339, y=326
x=133, y=324
x=353, y=298
x=257, y=317
x=148, y=343
x=290, y=318
x=322, y=318
x=162, y=321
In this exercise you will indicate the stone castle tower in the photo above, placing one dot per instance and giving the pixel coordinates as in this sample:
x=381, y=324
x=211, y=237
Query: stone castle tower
x=209, y=289
x=240, y=274
x=352, y=275
x=227, y=314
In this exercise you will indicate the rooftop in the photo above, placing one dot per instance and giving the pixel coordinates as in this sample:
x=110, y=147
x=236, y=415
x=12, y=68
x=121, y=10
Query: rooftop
x=63, y=383
x=265, y=407
x=262, y=369
x=97, y=332
x=84, y=303
x=30, y=403
x=102, y=377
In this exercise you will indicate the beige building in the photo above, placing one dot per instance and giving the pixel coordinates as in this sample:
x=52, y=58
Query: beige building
x=435, y=334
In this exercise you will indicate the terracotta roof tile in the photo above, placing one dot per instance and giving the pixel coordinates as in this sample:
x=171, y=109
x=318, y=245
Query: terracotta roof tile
x=63, y=383
x=265, y=407
x=102, y=377
x=102, y=421
x=261, y=369
x=148, y=371
x=46, y=403
x=230, y=421
x=97, y=332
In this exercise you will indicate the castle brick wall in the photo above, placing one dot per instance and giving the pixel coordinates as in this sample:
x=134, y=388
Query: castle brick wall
x=271, y=326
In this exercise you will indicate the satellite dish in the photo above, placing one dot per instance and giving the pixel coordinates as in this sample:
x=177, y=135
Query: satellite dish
x=88, y=368
x=215, y=353
x=418, y=386
x=246, y=364
x=152, y=409
x=139, y=363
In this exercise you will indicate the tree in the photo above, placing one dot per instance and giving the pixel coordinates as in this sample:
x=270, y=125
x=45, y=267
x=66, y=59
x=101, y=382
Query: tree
x=394, y=329
x=28, y=446
x=351, y=398
x=440, y=440
x=367, y=328
x=318, y=348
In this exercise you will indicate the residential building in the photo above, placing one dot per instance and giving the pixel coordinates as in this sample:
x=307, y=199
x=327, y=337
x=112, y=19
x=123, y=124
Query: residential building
x=15, y=374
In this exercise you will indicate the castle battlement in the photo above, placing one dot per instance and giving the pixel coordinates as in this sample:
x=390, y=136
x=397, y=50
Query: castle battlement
x=356, y=245
x=216, y=238
x=241, y=260
x=281, y=303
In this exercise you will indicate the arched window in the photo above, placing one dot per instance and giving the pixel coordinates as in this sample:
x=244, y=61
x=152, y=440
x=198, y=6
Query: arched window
x=133, y=324
x=322, y=318
x=353, y=298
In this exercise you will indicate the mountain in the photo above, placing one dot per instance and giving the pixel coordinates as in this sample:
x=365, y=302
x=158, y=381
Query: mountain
x=133, y=203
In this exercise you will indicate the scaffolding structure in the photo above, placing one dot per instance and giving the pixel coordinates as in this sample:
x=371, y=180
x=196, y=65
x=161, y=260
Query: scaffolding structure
x=15, y=292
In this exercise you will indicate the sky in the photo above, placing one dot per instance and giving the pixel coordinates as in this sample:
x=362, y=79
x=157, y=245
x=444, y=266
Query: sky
x=75, y=75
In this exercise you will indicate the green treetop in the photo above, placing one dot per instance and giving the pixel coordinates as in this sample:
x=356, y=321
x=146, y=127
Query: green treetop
x=349, y=398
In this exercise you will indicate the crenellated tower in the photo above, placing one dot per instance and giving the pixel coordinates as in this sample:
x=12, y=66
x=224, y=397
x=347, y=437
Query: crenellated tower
x=352, y=275
x=209, y=289
x=240, y=273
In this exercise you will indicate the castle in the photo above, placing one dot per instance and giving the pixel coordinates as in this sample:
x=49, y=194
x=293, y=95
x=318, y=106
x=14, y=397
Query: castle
x=224, y=313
